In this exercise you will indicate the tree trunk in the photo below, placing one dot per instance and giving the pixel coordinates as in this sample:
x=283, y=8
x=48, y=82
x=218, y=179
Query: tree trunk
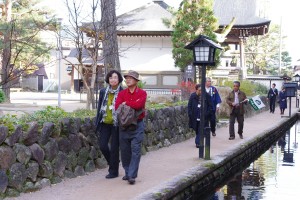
x=110, y=41
x=94, y=74
x=72, y=81
x=6, y=54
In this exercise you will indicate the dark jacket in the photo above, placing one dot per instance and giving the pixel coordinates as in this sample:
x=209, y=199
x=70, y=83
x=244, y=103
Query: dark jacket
x=215, y=97
x=272, y=94
x=100, y=100
x=230, y=101
x=194, y=111
x=282, y=100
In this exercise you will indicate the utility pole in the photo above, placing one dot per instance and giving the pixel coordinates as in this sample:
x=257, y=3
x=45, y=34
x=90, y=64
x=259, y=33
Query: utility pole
x=59, y=62
x=280, y=46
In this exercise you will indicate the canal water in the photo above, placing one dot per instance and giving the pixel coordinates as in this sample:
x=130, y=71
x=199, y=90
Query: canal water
x=275, y=175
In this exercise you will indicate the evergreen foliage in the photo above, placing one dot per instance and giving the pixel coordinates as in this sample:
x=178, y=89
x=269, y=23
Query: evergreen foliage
x=2, y=96
x=193, y=18
x=22, y=47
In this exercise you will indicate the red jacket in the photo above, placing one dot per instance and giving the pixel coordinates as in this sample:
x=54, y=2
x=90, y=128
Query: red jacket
x=136, y=100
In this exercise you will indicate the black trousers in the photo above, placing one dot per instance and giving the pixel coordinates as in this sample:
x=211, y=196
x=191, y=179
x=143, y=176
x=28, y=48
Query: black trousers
x=212, y=122
x=235, y=114
x=109, y=133
x=272, y=104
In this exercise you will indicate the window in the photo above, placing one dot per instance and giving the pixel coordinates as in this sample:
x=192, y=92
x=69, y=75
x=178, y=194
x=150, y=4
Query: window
x=170, y=80
x=150, y=80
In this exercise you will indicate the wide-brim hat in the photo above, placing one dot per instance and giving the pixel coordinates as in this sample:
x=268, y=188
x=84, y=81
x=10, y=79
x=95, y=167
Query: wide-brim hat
x=133, y=74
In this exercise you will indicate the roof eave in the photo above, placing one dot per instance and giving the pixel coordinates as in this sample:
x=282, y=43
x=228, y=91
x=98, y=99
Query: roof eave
x=144, y=33
x=256, y=25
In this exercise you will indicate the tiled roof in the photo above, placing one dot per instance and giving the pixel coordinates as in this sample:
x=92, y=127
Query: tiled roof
x=146, y=18
x=245, y=12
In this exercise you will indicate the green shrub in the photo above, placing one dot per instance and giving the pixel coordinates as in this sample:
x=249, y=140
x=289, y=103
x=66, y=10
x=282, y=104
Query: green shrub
x=55, y=114
x=260, y=89
x=49, y=114
x=9, y=121
x=82, y=113
x=164, y=105
x=2, y=96
x=246, y=86
x=141, y=84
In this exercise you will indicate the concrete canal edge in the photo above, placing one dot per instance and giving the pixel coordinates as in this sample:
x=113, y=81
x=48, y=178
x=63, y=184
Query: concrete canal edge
x=211, y=173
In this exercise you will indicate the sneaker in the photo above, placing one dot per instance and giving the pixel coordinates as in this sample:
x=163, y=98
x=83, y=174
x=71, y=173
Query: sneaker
x=125, y=178
x=231, y=138
x=213, y=134
x=241, y=136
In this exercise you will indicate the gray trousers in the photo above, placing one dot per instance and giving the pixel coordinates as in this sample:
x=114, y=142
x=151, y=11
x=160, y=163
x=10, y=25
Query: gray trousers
x=131, y=145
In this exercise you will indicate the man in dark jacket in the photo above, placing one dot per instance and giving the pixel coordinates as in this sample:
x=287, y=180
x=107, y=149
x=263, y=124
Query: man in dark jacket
x=236, y=100
x=194, y=111
x=272, y=94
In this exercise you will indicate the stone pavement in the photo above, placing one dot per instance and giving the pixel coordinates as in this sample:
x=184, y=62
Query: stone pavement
x=157, y=168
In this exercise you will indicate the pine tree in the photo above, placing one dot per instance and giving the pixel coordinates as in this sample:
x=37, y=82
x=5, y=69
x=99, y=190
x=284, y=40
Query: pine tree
x=21, y=47
x=193, y=18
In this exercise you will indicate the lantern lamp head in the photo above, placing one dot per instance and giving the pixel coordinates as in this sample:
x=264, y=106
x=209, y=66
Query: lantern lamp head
x=297, y=78
x=204, y=50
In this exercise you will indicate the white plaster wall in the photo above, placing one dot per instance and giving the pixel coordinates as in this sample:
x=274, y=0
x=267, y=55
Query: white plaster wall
x=52, y=69
x=146, y=54
x=279, y=83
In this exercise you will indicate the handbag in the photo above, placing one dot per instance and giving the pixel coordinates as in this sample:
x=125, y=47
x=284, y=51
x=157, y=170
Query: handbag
x=127, y=117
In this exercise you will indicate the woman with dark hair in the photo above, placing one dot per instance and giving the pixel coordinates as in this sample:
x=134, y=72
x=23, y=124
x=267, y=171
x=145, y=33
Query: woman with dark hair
x=107, y=124
x=282, y=101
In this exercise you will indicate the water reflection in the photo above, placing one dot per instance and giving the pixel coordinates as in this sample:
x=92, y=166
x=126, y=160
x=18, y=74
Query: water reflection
x=274, y=175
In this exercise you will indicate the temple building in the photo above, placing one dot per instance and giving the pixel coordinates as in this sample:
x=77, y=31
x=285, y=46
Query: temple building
x=145, y=45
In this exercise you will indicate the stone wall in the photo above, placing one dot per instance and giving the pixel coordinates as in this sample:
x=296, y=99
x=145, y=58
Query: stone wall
x=35, y=157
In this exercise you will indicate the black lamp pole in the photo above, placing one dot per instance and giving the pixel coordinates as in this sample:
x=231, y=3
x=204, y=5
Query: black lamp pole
x=204, y=55
x=202, y=117
x=290, y=109
x=297, y=79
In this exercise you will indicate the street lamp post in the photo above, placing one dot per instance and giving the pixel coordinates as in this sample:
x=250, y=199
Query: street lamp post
x=204, y=50
x=290, y=91
x=297, y=80
x=59, y=62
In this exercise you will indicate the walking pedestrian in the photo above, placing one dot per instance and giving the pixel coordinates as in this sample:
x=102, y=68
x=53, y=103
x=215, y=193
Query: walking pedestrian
x=282, y=101
x=236, y=100
x=272, y=95
x=106, y=122
x=215, y=102
x=131, y=140
x=194, y=111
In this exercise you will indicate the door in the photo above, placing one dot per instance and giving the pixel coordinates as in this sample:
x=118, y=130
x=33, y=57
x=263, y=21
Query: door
x=40, y=83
